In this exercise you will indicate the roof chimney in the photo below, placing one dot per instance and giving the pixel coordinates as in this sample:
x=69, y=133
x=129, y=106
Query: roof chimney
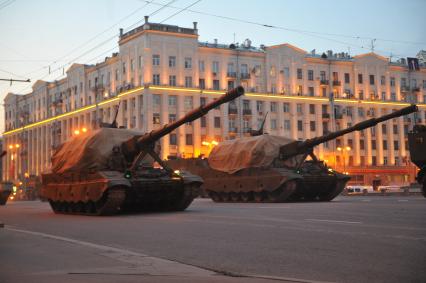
x=195, y=25
x=121, y=32
x=146, y=19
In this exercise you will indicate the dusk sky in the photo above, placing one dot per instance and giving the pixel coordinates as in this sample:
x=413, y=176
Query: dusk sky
x=43, y=33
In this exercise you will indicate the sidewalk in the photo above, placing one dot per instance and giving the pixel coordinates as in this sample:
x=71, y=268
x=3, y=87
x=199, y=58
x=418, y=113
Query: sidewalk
x=35, y=257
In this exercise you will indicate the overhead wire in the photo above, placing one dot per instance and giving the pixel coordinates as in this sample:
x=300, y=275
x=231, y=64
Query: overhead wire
x=102, y=43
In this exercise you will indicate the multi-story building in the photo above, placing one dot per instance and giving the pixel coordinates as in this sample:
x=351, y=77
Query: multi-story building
x=162, y=71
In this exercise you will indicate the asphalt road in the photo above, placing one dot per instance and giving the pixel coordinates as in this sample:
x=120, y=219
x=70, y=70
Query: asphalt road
x=351, y=239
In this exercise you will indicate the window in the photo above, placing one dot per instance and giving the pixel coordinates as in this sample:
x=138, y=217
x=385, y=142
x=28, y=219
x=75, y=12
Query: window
x=259, y=106
x=203, y=101
x=361, y=94
x=273, y=107
x=300, y=125
x=347, y=78
x=188, y=62
x=383, y=80
x=202, y=83
x=287, y=124
x=287, y=72
x=373, y=161
x=384, y=129
x=392, y=81
x=216, y=85
x=215, y=67
x=156, y=118
x=395, y=145
x=371, y=79
x=299, y=74
x=383, y=95
x=156, y=60
x=217, y=122
x=156, y=79
x=335, y=76
x=299, y=108
x=273, y=71
x=361, y=145
x=172, y=139
x=311, y=91
x=201, y=66
x=230, y=85
x=203, y=122
x=140, y=62
x=156, y=99
x=373, y=144
x=172, y=80
x=231, y=69
x=172, y=61
x=172, y=100
x=385, y=145
x=273, y=124
x=360, y=78
x=312, y=126
x=385, y=160
x=310, y=75
x=244, y=69
x=299, y=90
x=188, y=139
x=188, y=102
x=124, y=69
x=395, y=129
x=403, y=82
x=172, y=118
x=188, y=81
x=311, y=108
x=286, y=107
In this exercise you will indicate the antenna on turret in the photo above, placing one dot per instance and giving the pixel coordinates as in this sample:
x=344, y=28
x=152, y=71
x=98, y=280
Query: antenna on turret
x=114, y=122
x=259, y=132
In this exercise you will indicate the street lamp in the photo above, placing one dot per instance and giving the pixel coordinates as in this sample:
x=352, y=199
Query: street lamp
x=342, y=150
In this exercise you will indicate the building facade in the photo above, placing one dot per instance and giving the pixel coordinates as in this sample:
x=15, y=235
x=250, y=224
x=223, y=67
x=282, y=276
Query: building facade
x=163, y=71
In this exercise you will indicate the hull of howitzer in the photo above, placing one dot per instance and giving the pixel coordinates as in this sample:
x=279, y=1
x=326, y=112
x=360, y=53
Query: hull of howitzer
x=417, y=147
x=5, y=191
x=108, y=192
x=311, y=183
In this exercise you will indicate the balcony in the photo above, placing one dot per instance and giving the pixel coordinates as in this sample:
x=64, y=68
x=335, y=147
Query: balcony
x=325, y=116
x=246, y=111
x=232, y=110
x=416, y=89
x=323, y=82
x=338, y=116
x=245, y=76
x=404, y=89
x=231, y=74
x=233, y=129
x=336, y=83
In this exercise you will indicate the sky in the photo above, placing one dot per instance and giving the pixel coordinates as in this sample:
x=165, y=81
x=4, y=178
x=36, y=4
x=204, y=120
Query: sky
x=36, y=36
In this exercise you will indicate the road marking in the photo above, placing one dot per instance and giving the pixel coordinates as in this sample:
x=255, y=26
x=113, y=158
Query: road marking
x=366, y=200
x=142, y=264
x=334, y=221
x=403, y=200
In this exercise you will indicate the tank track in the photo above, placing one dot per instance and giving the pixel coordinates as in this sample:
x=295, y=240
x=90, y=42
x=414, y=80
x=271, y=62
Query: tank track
x=177, y=200
x=109, y=204
x=279, y=195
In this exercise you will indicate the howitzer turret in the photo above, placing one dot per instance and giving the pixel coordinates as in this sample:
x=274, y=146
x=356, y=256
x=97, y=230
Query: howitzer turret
x=267, y=168
x=109, y=170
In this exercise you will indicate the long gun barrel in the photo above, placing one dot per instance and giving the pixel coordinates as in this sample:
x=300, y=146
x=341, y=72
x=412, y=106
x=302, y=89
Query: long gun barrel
x=138, y=143
x=298, y=147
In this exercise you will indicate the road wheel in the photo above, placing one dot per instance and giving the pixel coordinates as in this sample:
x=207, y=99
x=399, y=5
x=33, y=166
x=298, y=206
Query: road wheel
x=258, y=196
x=246, y=197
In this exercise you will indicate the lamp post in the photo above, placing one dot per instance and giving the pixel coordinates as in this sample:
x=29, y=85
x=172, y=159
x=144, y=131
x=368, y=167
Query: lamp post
x=342, y=151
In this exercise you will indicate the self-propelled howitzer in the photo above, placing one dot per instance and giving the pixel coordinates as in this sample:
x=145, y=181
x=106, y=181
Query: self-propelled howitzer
x=267, y=168
x=111, y=170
